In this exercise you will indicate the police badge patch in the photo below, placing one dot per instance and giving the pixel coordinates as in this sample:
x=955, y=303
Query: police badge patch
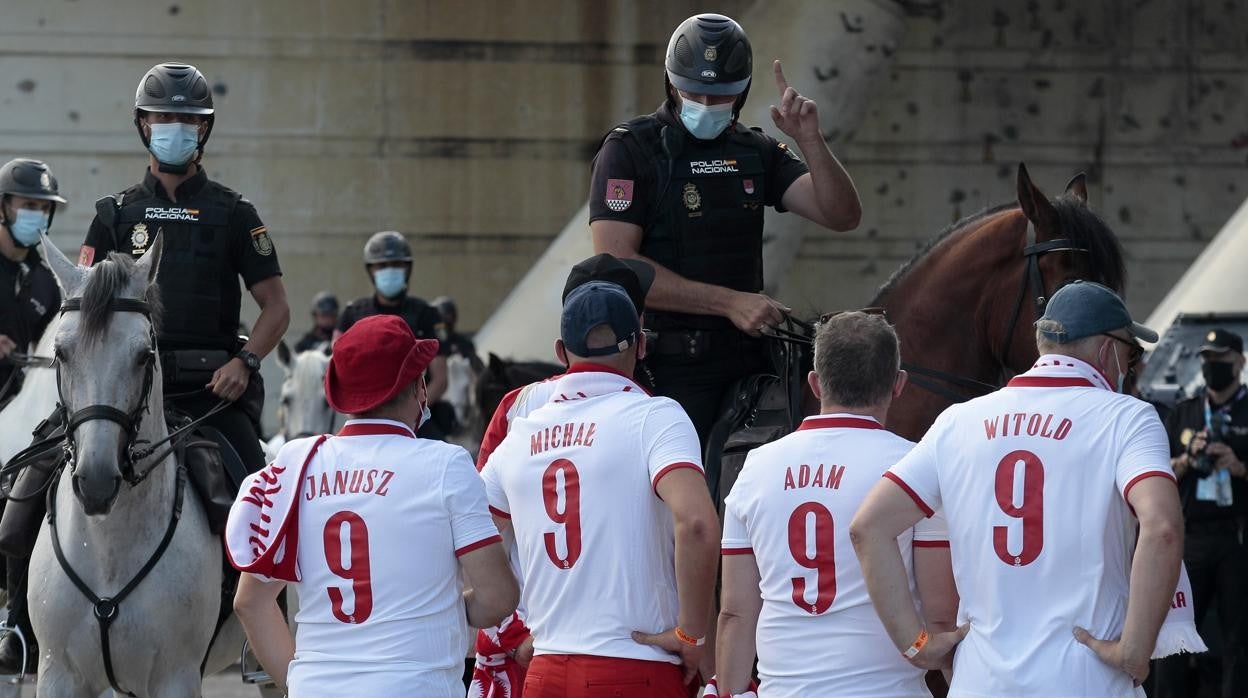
x=139, y=238
x=260, y=240
x=691, y=197
x=619, y=194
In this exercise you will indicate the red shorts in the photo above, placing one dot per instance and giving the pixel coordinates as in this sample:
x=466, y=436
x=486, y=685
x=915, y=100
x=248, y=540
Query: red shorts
x=585, y=676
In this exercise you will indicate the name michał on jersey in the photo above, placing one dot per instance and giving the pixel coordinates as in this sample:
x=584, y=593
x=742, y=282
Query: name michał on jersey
x=171, y=214
x=713, y=166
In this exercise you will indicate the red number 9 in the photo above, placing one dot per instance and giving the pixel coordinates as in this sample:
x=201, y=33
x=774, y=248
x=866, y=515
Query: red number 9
x=1031, y=510
x=823, y=561
x=570, y=517
x=358, y=572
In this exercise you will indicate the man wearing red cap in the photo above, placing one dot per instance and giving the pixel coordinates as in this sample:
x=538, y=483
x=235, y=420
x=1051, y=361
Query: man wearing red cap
x=374, y=527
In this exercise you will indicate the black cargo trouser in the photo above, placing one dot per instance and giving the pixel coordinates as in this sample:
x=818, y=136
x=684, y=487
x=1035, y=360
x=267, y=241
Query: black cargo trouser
x=1217, y=563
x=697, y=368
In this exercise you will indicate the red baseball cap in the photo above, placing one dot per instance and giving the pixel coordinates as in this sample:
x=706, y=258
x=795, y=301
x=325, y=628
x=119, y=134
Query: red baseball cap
x=373, y=361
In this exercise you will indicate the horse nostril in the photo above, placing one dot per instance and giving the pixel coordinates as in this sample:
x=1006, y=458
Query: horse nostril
x=96, y=494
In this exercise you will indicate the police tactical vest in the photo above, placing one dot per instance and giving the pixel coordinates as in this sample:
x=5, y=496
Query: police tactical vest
x=706, y=222
x=199, y=287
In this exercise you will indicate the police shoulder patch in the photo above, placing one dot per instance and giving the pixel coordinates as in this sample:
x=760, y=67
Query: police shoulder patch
x=260, y=241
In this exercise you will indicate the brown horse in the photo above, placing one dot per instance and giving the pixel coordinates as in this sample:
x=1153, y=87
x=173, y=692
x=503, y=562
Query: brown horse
x=964, y=306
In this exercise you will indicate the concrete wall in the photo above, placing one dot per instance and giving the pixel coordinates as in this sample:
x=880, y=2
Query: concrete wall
x=469, y=125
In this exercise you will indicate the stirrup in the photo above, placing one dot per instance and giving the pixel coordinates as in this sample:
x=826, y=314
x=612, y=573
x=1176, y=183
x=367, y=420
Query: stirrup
x=20, y=677
x=249, y=667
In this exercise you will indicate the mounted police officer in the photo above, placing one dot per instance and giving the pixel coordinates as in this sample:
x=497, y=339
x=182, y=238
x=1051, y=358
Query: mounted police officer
x=388, y=261
x=685, y=187
x=28, y=293
x=29, y=297
x=212, y=237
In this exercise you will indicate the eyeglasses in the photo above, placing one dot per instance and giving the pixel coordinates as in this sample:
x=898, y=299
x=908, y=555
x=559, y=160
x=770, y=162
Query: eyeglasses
x=868, y=311
x=1137, y=351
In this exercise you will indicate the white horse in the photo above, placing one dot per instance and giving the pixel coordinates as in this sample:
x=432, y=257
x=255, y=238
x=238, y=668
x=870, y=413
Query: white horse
x=303, y=410
x=32, y=404
x=110, y=520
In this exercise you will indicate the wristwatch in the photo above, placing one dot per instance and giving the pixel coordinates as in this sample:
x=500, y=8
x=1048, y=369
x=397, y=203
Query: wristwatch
x=250, y=360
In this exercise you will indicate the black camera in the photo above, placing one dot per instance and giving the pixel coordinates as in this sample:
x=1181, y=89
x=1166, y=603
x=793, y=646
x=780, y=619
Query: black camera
x=1203, y=461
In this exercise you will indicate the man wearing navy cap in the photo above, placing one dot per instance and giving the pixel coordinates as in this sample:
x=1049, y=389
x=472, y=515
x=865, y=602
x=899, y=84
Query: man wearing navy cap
x=1208, y=447
x=1039, y=482
x=617, y=537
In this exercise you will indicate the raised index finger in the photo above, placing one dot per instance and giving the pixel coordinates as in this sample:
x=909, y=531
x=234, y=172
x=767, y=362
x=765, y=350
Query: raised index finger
x=781, y=83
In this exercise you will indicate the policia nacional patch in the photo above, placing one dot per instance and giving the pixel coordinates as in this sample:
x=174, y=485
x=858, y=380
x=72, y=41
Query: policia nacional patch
x=260, y=240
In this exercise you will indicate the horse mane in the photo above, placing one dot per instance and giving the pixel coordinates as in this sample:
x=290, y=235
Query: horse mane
x=932, y=244
x=108, y=280
x=1076, y=222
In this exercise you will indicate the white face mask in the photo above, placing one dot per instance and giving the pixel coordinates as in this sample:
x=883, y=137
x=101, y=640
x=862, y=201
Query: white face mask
x=705, y=121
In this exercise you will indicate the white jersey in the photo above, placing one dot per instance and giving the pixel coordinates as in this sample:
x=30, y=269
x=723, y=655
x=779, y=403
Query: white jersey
x=577, y=477
x=790, y=508
x=382, y=518
x=1033, y=480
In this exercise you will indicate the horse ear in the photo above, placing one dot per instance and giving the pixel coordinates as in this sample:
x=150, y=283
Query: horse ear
x=68, y=275
x=283, y=355
x=149, y=263
x=1035, y=205
x=1078, y=187
x=497, y=367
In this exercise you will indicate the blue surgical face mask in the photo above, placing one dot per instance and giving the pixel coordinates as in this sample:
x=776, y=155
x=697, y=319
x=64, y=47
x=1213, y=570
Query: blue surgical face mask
x=174, y=144
x=390, y=281
x=26, y=225
x=705, y=121
x=425, y=415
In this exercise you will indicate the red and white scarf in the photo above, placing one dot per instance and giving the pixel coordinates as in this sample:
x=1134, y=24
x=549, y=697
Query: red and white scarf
x=1178, y=631
x=262, y=532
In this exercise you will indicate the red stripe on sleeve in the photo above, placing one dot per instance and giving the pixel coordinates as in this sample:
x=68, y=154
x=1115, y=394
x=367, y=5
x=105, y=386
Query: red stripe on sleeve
x=1126, y=491
x=931, y=544
x=479, y=544
x=496, y=431
x=736, y=551
x=927, y=511
x=667, y=469
x=500, y=513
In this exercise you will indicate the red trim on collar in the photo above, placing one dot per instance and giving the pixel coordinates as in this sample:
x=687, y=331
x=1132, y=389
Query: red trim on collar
x=842, y=422
x=368, y=429
x=591, y=367
x=1049, y=382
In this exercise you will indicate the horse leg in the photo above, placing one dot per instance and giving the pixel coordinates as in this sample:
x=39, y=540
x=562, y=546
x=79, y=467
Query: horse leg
x=58, y=681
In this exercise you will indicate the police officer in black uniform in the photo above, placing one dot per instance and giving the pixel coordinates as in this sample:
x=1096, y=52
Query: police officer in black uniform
x=1208, y=448
x=212, y=237
x=388, y=261
x=460, y=343
x=29, y=296
x=685, y=187
x=324, y=321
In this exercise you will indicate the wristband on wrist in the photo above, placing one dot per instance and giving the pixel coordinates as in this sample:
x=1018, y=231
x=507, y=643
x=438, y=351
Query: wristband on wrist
x=688, y=639
x=919, y=642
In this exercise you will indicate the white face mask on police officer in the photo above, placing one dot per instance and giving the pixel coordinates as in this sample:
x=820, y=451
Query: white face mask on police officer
x=705, y=121
x=173, y=144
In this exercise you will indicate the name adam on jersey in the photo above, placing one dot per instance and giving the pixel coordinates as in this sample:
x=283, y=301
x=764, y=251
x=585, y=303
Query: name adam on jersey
x=171, y=214
x=713, y=166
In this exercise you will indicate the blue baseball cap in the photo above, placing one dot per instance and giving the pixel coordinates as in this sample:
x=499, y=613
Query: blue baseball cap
x=1086, y=308
x=598, y=303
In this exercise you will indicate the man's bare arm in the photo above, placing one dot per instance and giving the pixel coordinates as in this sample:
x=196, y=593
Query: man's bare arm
x=740, y=604
x=255, y=603
x=494, y=592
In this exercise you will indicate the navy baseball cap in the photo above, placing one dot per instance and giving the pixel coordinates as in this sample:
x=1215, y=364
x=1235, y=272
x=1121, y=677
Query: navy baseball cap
x=1086, y=308
x=1221, y=341
x=598, y=303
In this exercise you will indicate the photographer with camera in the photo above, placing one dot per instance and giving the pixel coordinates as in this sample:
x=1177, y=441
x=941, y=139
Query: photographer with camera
x=1208, y=447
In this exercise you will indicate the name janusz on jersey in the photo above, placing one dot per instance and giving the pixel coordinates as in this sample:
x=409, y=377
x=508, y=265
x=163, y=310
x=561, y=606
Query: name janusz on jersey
x=713, y=166
x=171, y=214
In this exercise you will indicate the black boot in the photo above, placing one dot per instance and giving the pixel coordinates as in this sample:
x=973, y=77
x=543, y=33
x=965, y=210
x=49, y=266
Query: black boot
x=10, y=644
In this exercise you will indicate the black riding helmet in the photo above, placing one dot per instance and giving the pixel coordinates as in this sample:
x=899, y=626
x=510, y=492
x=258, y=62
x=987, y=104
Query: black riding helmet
x=325, y=302
x=176, y=88
x=386, y=246
x=31, y=179
x=709, y=54
x=446, y=306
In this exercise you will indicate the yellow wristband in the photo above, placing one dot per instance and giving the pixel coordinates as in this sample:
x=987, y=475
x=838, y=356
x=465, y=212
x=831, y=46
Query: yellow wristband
x=688, y=639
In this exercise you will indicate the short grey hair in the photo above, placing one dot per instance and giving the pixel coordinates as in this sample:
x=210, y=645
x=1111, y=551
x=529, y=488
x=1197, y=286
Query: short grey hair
x=857, y=358
x=1051, y=339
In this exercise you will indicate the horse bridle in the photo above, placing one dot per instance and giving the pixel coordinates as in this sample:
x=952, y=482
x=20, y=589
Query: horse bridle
x=129, y=422
x=1033, y=281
